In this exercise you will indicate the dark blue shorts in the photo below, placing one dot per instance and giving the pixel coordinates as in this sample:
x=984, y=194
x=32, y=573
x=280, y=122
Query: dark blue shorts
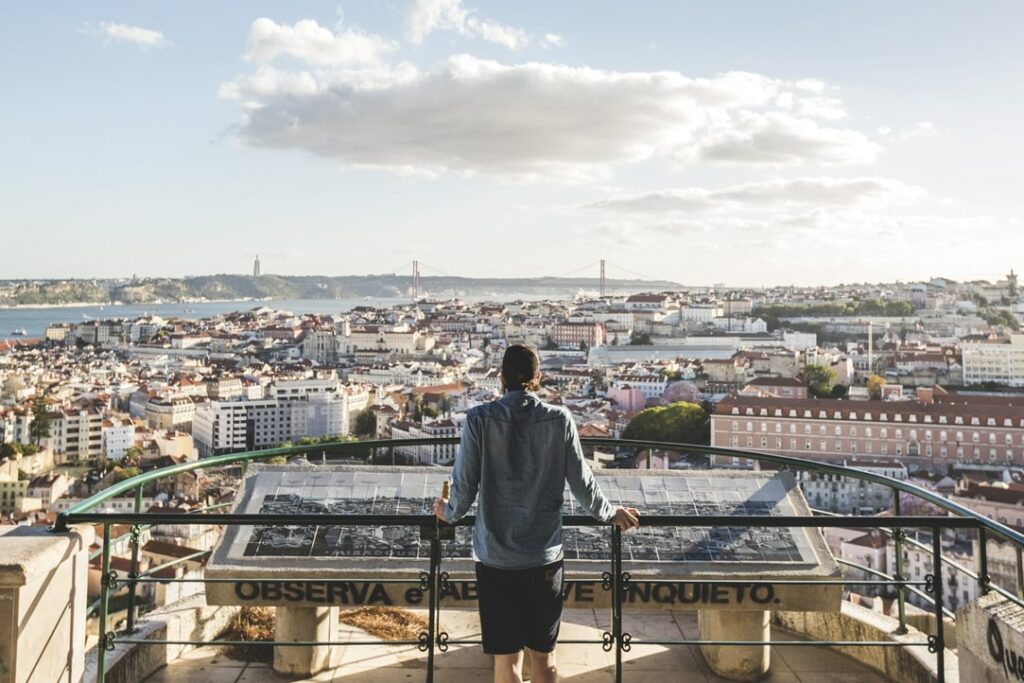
x=519, y=607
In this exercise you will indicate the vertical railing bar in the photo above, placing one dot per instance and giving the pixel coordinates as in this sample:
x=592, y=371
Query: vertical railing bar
x=433, y=604
x=940, y=643
x=901, y=593
x=983, y=577
x=133, y=571
x=1020, y=571
x=101, y=652
x=617, y=599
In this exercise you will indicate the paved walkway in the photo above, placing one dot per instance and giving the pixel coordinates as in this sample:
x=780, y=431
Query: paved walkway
x=576, y=663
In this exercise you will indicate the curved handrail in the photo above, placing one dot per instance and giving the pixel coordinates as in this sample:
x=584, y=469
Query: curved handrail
x=132, y=483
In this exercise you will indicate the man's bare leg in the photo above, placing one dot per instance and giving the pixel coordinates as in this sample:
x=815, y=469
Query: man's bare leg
x=508, y=668
x=542, y=667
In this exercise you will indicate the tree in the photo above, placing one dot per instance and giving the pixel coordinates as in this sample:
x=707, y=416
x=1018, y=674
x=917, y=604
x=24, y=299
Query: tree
x=583, y=345
x=875, y=384
x=132, y=456
x=12, y=385
x=9, y=450
x=680, y=422
x=366, y=423
x=820, y=380
x=640, y=339
x=41, y=418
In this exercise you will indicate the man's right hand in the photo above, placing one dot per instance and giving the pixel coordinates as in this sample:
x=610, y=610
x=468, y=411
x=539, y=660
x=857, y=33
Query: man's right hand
x=626, y=518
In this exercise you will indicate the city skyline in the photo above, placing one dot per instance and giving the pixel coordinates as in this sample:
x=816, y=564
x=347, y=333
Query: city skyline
x=790, y=144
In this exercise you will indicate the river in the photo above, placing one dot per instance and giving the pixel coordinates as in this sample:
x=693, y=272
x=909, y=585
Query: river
x=34, y=320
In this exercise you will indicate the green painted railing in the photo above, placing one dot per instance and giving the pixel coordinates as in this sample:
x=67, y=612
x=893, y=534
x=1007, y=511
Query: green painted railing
x=959, y=517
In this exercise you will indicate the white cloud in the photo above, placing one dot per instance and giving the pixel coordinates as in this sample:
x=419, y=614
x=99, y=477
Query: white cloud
x=780, y=139
x=426, y=16
x=553, y=40
x=532, y=119
x=315, y=44
x=808, y=191
x=112, y=32
x=921, y=129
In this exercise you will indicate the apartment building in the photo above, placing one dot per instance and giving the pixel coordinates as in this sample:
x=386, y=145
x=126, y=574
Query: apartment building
x=434, y=454
x=571, y=335
x=933, y=431
x=651, y=386
x=998, y=359
x=117, y=435
x=164, y=412
x=231, y=426
x=76, y=434
x=848, y=496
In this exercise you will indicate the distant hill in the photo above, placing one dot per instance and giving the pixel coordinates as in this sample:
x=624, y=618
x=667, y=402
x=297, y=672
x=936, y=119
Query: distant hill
x=214, y=287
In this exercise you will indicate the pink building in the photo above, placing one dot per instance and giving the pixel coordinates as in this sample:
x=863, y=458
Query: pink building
x=627, y=398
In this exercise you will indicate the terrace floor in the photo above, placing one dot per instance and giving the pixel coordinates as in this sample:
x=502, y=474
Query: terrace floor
x=576, y=663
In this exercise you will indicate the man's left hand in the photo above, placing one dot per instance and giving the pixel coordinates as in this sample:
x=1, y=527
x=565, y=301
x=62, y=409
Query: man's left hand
x=439, y=507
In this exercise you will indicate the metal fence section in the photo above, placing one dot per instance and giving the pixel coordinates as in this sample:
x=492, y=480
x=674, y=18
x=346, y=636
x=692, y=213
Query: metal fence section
x=434, y=581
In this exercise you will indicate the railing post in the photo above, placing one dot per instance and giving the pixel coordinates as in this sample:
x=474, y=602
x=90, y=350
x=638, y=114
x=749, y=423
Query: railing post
x=433, y=604
x=939, y=643
x=133, y=571
x=617, y=599
x=983, y=577
x=901, y=592
x=106, y=639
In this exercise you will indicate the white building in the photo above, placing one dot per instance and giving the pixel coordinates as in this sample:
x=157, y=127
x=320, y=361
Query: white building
x=293, y=389
x=700, y=313
x=379, y=340
x=231, y=426
x=994, y=359
x=117, y=436
x=848, y=496
x=651, y=386
x=958, y=588
x=434, y=454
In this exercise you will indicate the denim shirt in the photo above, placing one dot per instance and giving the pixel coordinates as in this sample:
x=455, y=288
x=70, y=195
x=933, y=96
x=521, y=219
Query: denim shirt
x=518, y=453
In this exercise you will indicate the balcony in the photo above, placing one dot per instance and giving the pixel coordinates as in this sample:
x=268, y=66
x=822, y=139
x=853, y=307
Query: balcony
x=615, y=640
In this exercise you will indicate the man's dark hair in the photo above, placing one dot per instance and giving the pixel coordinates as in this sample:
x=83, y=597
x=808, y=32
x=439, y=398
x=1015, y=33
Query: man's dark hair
x=521, y=368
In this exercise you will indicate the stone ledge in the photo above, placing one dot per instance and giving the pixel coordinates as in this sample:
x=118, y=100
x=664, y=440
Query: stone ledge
x=912, y=664
x=30, y=551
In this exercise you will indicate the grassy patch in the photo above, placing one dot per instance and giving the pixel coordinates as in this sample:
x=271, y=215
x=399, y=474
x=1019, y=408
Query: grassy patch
x=253, y=624
x=387, y=623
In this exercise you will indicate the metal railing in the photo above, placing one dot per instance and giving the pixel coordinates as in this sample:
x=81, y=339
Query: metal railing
x=616, y=581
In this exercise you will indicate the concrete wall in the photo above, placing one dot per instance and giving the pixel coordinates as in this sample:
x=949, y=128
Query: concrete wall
x=190, y=619
x=991, y=640
x=912, y=664
x=42, y=604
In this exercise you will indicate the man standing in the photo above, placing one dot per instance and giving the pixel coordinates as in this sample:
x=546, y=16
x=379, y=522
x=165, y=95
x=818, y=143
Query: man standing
x=518, y=453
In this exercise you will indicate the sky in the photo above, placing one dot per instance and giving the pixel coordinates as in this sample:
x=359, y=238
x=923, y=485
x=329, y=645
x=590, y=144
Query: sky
x=746, y=143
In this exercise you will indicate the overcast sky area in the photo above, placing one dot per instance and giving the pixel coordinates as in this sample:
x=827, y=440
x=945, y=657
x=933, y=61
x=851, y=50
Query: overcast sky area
x=751, y=143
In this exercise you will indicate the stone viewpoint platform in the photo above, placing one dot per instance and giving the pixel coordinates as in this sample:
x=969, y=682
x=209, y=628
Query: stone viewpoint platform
x=577, y=663
x=734, y=577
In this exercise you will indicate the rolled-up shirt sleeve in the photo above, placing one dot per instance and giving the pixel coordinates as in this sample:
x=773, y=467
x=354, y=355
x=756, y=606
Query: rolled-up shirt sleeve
x=465, y=473
x=582, y=481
